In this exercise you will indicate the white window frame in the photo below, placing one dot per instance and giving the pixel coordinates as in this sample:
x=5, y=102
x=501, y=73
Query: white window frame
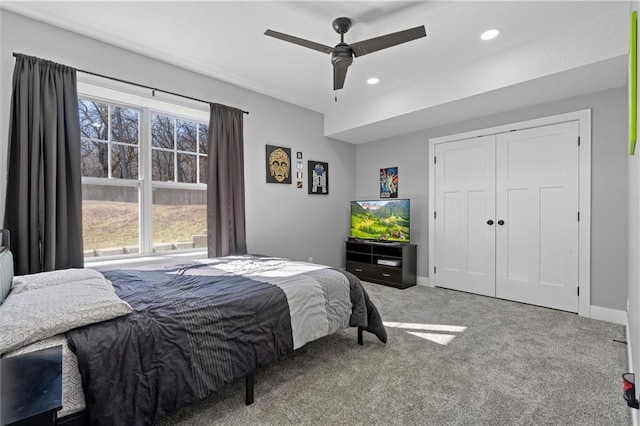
x=147, y=105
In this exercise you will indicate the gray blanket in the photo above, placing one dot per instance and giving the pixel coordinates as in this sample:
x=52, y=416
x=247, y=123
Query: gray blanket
x=196, y=327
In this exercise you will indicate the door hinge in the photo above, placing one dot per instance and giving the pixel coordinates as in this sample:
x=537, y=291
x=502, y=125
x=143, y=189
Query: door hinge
x=434, y=269
x=578, y=216
x=434, y=215
x=578, y=140
x=578, y=291
x=434, y=160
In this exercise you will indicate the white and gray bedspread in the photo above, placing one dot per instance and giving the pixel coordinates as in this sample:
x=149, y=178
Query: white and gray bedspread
x=198, y=326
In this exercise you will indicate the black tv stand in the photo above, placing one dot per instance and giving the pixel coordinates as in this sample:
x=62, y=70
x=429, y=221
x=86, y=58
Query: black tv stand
x=382, y=262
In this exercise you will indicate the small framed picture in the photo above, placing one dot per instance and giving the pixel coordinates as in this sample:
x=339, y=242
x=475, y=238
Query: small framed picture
x=318, y=179
x=299, y=184
x=299, y=175
x=299, y=164
x=299, y=155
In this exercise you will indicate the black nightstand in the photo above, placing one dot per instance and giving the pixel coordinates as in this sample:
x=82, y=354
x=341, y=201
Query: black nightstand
x=32, y=388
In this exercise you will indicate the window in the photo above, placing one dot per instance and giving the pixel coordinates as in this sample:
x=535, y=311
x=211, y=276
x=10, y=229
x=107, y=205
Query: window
x=144, y=178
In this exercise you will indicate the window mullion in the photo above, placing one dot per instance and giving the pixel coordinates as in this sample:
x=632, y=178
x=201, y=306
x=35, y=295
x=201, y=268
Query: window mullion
x=198, y=180
x=175, y=150
x=146, y=189
x=109, y=159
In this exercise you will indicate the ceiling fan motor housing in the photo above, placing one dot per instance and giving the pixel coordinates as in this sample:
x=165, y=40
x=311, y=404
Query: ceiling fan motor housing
x=342, y=56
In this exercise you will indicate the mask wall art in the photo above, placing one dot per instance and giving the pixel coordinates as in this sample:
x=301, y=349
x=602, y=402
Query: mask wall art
x=278, y=164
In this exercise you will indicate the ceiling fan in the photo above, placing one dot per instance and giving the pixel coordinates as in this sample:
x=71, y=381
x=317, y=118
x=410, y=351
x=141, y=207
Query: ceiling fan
x=342, y=54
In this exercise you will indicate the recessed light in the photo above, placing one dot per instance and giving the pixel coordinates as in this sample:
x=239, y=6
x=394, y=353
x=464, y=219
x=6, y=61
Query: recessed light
x=373, y=80
x=490, y=34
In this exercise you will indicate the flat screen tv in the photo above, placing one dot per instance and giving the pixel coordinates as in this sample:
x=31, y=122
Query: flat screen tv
x=381, y=220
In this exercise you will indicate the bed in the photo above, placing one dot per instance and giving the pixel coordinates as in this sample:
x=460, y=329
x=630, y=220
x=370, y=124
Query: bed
x=176, y=333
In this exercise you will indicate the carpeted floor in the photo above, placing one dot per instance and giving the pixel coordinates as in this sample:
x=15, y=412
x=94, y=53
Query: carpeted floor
x=503, y=363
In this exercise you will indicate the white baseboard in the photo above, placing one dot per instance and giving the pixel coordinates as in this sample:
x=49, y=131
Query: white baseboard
x=424, y=281
x=606, y=314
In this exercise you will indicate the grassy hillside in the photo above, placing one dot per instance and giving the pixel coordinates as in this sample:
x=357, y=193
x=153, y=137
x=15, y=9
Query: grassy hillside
x=115, y=224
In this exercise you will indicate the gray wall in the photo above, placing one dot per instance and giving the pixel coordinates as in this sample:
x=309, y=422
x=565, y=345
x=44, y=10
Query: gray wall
x=281, y=219
x=608, y=193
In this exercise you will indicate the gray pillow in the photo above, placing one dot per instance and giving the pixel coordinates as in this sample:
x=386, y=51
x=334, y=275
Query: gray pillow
x=21, y=283
x=44, y=312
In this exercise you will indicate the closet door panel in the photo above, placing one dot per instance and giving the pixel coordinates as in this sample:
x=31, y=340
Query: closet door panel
x=537, y=198
x=465, y=201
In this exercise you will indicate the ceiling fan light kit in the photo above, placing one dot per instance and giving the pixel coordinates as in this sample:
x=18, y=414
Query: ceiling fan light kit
x=342, y=54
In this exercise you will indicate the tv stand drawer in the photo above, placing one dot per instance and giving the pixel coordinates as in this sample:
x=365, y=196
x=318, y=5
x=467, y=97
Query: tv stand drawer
x=361, y=270
x=390, y=275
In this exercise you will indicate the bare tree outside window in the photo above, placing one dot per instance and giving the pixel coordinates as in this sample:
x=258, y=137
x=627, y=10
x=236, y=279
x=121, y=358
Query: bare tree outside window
x=109, y=140
x=124, y=134
x=94, y=125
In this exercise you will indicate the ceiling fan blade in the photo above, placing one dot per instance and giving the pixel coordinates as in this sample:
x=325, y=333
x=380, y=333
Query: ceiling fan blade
x=378, y=43
x=299, y=41
x=339, y=75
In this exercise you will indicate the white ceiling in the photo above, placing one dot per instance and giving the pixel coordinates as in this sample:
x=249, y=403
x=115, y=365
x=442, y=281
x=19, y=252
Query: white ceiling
x=547, y=50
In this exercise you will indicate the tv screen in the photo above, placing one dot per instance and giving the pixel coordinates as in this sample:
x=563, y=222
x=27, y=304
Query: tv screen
x=381, y=220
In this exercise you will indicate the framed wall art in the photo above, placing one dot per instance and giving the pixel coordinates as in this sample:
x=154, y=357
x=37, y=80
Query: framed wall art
x=278, y=164
x=318, y=180
x=389, y=182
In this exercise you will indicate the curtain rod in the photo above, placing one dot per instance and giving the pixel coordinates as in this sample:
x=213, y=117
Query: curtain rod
x=153, y=89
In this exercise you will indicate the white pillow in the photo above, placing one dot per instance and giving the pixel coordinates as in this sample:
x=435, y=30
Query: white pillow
x=27, y=282
x=44, y=312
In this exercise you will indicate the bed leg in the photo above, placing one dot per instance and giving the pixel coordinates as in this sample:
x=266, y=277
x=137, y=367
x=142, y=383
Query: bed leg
x=248, y=397
x=360, y=336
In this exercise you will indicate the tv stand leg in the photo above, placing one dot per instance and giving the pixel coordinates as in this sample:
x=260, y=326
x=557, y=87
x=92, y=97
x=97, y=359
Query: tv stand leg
x=360, y=336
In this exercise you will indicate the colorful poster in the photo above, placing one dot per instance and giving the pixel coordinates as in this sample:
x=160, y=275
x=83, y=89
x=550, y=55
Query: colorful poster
x=389, y=182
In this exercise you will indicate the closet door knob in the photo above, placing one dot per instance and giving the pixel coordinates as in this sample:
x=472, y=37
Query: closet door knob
x=501, y=222
x=489, y=222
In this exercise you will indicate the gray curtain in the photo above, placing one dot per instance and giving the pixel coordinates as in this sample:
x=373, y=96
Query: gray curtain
x=44, y=194
x=226, y=232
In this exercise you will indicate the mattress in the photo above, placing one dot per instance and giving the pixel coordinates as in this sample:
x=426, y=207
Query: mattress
x=72, y=394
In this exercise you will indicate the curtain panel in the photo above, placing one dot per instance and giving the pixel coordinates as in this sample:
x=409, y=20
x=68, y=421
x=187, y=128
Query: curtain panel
x=226, y=232
x=44, y=189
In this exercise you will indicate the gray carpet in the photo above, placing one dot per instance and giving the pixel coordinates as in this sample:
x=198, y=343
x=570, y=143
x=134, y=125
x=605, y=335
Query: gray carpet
x=514, y=364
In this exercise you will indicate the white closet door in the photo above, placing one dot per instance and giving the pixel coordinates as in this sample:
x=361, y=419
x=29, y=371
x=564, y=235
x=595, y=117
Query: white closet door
x=537, y=198
x=465, y=202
